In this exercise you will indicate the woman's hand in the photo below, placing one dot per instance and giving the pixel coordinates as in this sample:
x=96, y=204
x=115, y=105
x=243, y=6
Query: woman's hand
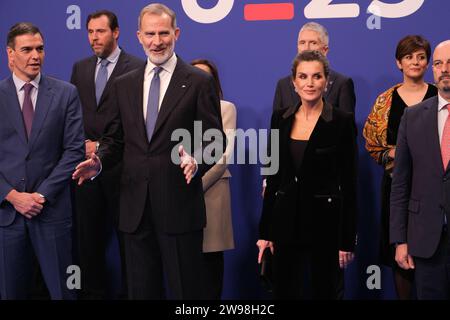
x=345, y=258
x=262, y=245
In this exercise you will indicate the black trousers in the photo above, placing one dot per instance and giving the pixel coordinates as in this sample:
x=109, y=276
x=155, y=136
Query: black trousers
x=301, y=272
x=96, y=218
x=213, y=275
x=432, y=275
x=152, y=255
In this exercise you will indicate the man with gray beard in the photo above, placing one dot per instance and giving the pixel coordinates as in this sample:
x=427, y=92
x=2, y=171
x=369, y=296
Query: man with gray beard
x=162, y=209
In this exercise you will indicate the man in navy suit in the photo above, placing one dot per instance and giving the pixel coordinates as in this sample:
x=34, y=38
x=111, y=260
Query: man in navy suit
x=420, y=195
x=41, y=140
x=162, y=209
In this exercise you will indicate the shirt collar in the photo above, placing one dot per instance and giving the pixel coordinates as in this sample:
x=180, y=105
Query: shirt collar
x=19, y=83
x=113, y=57
x=441, y=102
x=168, y=66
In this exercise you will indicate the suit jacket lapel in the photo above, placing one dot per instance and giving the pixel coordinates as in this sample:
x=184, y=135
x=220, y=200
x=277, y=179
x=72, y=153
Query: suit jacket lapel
x=43, y=103
x=12, y=109
x=89, y=76
x=136, y=97
x=430, y=117
x=316, y=136
x=122, y=63
x=331, y=79
x=179, y=83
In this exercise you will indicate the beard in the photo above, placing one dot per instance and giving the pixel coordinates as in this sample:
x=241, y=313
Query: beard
x=159, y=59
x=104, y=53
x=445, y=83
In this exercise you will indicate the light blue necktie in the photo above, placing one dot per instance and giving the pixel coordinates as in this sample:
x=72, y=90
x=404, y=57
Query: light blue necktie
x=102, y=78
x=153, y=104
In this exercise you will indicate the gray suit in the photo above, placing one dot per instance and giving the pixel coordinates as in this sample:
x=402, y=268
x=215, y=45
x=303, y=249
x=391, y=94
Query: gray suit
x=420, y=199
x=419, y=182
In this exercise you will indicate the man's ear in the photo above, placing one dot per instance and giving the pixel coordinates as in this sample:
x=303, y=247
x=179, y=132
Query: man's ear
x=116, y=33
x=10, y=54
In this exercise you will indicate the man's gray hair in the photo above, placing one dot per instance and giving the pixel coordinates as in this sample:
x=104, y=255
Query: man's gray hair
x=320, y=29
x=158, y=9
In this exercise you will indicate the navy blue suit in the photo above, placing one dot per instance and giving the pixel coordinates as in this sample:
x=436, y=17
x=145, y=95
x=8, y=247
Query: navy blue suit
x=44, y=164
x=419, y=195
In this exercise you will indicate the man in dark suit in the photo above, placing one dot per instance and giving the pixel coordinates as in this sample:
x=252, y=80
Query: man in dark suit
x=162, y=209
x=420, y=194
x=41, y=134
x=340, y=92
x=97, y=201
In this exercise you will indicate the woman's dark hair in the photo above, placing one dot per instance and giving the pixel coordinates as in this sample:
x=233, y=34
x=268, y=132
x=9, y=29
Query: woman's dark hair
x=311, y=55
x=214, y=73
x=411, y=44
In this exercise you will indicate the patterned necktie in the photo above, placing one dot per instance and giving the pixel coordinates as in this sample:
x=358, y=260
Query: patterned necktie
x=27, y=108
x=153, y=104
x=445, y=143
x=102, y=78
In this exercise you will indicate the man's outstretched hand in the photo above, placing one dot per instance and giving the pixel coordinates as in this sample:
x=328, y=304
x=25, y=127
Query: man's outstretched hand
x=87, y=169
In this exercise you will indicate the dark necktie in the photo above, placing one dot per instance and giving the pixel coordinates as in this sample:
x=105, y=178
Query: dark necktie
x=445, y=142
x=153, y=104
x=102, y=78
x=27, y=108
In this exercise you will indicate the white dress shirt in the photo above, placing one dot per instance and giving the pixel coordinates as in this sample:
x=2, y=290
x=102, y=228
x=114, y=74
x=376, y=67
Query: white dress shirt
x=165, y=75
x=442, y=115
x=112, y=58
x=19, y=83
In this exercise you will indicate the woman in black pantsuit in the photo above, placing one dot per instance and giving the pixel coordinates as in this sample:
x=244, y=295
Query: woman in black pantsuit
x=309, y=209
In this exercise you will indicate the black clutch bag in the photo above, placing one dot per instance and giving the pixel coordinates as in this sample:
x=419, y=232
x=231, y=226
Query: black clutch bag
x=265, y=271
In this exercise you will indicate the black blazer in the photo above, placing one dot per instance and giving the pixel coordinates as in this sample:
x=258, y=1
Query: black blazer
x=420, y=193
x=83, y=77
x=319, y=204
x=340, y=93
x=148, y=172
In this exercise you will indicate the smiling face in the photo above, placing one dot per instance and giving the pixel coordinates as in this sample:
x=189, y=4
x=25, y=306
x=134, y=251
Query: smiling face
x=441, y=69
x=310, y=81
x=27, y=56
x=102, y=39
x=157, y=37
x=414, y=65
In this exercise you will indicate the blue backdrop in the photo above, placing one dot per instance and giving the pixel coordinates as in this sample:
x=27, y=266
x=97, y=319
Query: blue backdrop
x=251, y=57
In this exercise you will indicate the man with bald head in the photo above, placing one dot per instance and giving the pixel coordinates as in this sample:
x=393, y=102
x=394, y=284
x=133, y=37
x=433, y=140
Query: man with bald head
x=420, y=195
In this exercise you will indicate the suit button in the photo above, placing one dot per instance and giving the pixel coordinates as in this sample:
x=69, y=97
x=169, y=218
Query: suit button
x=23, y=179
x=330, y=200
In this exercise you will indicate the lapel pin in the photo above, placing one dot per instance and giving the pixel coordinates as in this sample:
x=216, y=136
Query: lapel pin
x=183, y=86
